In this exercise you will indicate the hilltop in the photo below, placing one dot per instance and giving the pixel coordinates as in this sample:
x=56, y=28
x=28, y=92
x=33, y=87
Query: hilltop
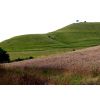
x=74, y=36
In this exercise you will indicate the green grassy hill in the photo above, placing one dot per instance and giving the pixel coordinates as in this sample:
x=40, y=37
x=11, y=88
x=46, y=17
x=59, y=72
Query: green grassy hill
x=74, y=36
x=33, y=42
x=79, y=35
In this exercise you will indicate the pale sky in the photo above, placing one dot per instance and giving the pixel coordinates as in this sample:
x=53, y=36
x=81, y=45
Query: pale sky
x=19, y=17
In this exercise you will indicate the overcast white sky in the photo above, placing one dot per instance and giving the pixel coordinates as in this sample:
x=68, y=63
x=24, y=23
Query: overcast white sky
x=41, y=16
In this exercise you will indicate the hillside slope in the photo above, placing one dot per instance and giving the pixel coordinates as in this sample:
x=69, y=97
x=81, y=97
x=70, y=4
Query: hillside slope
x=74, y=36
x=79, y=35
x=30, y=42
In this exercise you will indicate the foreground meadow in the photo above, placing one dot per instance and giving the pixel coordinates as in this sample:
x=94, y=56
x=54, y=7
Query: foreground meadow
x=77, y=67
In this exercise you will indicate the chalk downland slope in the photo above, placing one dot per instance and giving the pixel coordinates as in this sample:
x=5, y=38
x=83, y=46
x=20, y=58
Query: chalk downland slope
x=76, y=35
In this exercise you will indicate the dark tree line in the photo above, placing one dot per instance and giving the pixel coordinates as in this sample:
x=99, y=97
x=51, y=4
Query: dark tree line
x=4, y=56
